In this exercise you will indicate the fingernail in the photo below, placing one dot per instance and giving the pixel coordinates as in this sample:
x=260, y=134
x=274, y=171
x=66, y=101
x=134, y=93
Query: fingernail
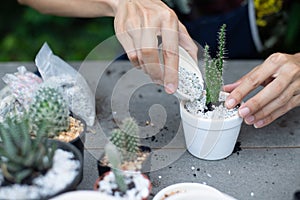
x=230, y=103
x=244, y=111
x=249, y=119
x=259, y=124
x=170, y=88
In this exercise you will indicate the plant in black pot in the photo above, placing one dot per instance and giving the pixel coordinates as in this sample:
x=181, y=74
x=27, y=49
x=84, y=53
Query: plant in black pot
x=120, y=184
x=210, y=129
x=49, y=104
x=36, y=168
x=126, y=139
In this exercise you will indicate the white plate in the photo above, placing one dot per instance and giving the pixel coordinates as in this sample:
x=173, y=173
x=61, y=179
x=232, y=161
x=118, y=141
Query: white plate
x=183, y=191
x=83, y=194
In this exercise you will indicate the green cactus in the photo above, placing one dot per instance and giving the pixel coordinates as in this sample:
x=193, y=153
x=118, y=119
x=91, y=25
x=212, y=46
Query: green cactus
x=21, y=158
x=214, y=69
x=49, y=104
x=114, y=159
x=126, y=138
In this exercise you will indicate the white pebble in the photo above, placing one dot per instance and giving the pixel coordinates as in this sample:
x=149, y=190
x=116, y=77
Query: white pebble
x=252, y=194
x=159, y=177
x=192, y=167
x=208, y=175
x=204, y=183
x=229, y=172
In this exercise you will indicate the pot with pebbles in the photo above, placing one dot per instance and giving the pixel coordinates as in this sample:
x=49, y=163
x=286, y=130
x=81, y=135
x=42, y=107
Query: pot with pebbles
x=210, y=129
x=49, y=104
x=136, y=157
x=120, y=184
x=36, y=168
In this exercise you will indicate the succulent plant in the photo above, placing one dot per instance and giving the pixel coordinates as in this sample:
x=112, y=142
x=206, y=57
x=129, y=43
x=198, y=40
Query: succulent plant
x=126, y=138
x=49, y=104
x=23, y=158
x=114, y=159
x=214, y=69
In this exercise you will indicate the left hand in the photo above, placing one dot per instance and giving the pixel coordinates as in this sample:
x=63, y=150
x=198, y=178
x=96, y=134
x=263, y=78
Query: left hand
x=280, y=76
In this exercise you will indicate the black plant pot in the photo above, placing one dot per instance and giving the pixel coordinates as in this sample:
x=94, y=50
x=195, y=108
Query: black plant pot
x=146, y=165
x=77, y=156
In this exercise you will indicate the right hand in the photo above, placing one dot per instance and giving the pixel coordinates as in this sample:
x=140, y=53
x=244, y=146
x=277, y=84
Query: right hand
x=138, y=23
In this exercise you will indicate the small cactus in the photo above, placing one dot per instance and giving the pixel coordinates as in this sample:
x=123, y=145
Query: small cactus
x=49, y=104
x=114, y=158
x=126, y=138
x=214, y=69
x=21, y=158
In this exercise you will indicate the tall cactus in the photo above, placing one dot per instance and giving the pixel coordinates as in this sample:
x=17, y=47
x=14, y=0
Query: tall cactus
x=21, y=158
x=49, y=104
x=126, y=138
x=214, y=69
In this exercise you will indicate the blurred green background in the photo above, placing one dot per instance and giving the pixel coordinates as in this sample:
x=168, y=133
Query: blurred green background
x=24, y=30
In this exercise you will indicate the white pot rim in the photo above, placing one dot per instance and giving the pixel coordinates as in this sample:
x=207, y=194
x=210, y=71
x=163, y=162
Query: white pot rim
x=189, y=187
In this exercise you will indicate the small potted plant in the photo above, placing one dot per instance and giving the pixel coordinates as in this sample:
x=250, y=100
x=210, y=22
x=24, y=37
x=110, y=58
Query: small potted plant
x=37, y=168
x=49, y=104
x=121, y=184
x=210, y=129
x=126, y=139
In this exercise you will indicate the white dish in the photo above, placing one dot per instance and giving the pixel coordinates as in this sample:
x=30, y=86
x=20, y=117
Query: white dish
x=187, y=62
x=83, y=194
x=181, y=191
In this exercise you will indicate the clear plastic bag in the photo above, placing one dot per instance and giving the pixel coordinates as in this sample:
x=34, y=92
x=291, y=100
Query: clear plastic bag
x=22, y=85
x=56, y=71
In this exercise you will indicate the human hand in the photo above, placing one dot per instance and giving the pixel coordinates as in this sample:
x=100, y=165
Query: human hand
x=138, y=23
x=280, y=76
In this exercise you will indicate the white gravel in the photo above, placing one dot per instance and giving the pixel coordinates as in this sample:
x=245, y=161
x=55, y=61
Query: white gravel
x=62, y=173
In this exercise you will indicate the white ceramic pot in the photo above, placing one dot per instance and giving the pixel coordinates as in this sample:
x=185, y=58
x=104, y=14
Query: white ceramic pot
x=210, y=139
x=184, y=191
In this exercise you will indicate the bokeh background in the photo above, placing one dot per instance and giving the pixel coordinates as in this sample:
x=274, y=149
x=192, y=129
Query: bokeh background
x=23, y=31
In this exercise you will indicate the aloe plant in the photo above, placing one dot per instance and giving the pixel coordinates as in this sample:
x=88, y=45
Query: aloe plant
x=214, y=69
x=23, y=158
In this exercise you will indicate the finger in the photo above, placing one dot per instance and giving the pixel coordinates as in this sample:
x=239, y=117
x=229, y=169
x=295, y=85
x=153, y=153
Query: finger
x=170, y=54
x=266, y=95
x=127, y=43
x=229, y=87
x=125, y=23
x=294, y=102
x=187, y=42
x=282, y=101
x=149, y=54
x=255, y=78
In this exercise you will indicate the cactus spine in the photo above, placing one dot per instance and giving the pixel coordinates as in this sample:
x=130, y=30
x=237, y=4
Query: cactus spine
x=49, y=104
x=21, y=158
x=214, y=69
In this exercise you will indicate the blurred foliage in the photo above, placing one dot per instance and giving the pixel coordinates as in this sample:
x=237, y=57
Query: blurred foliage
x=24, y=30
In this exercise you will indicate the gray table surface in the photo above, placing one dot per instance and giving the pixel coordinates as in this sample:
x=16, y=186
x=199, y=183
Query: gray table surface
x=266, y=167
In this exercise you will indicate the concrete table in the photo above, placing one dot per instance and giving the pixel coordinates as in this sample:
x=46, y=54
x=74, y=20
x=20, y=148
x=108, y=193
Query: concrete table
x=265, y=164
